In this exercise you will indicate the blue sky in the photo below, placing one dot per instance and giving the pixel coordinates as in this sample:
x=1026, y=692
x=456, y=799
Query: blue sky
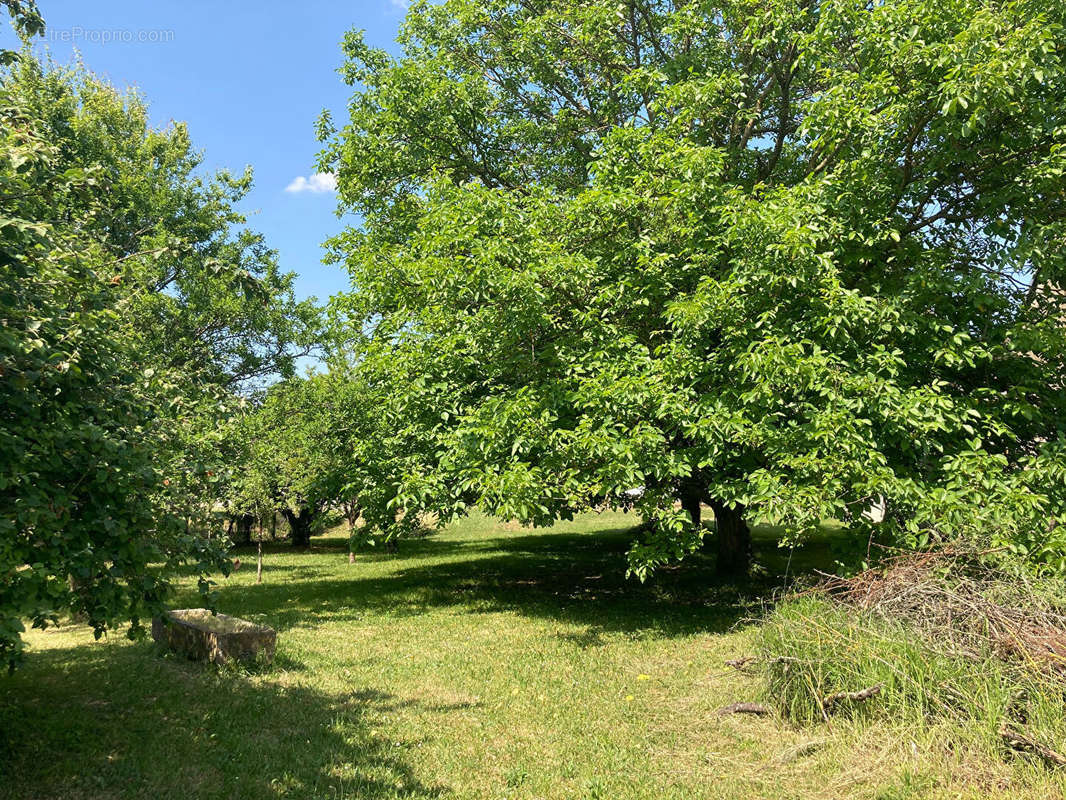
x=249, y=78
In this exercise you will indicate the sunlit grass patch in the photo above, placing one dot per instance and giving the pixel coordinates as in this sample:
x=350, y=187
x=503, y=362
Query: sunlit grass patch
x=479, y=663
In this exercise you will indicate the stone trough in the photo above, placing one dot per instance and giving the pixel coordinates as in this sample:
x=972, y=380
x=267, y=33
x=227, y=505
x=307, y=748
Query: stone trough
x=218, y=638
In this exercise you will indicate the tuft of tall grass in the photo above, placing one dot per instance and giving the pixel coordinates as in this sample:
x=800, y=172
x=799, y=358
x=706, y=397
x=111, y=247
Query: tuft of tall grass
x=812, y=647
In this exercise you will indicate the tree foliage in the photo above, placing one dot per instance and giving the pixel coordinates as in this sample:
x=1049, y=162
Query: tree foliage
x=27, y=21
x=786, y=258
x=132, y=310
x=326, y=441
x=295, y=448
x=205, y=294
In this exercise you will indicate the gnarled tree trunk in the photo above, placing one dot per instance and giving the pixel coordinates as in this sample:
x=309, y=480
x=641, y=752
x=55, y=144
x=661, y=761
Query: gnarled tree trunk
x=300, y=524
x=734, y=539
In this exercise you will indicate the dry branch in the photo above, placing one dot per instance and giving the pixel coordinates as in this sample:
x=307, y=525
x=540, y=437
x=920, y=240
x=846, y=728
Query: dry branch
x=744, y=708
x=863, y=694
x=1016, y=740
x=739, y=663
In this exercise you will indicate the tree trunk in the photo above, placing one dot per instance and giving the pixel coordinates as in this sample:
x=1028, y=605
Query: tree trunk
x=351, y=514
x=242, y=529
x=300, y=524
x=734, y=539
x=689, y=494
x=75, y=586
x=259, y=554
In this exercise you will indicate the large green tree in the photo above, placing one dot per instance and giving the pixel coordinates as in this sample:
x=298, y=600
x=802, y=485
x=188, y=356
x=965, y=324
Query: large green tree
x=786, y=258
x=203, y=292
x=133, y=310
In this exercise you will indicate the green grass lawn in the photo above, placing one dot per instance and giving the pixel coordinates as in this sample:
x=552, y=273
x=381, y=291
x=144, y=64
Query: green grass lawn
x=481, y=662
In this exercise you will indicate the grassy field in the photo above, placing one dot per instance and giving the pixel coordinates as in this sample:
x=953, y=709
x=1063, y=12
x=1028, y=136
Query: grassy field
x=482, y=662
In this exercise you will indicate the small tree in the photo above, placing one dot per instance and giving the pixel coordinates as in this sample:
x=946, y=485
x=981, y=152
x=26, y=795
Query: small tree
x=296, y=449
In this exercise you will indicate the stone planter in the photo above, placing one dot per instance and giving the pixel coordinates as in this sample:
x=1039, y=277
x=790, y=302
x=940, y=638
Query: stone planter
x=218, y=638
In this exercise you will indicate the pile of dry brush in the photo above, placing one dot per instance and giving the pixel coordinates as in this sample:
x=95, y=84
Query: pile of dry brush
x=963, y=604
x=900, y=636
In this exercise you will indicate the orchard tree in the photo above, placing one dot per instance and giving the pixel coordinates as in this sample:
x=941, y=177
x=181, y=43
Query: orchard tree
x=283, y=466
x=298, y=453
x=86, y=507
x=785, y=258
x=205, y=294
x=394, y=465
x=328, y=441
x=133, y=311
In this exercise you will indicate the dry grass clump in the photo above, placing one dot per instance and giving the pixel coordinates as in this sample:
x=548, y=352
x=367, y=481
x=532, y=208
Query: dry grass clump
x=926, y=638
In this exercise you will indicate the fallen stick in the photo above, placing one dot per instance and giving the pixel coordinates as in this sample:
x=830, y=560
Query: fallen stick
x=1016, y=740
x=862, y=694
x=784, y=660
x=739, y=663
x=744, y=708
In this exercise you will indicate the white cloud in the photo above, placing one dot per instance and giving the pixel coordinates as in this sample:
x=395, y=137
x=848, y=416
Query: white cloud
x=318, y=183
x=401, y=4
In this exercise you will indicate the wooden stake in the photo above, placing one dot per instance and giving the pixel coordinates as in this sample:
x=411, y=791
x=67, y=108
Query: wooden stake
x=259, y=554
x=351, y=553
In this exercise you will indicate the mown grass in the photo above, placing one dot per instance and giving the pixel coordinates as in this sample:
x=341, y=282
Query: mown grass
x=482, y=662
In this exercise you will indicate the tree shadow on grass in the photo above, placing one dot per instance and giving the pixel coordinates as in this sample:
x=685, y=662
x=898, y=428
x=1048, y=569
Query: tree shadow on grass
x=121, y=722
x=577, y=578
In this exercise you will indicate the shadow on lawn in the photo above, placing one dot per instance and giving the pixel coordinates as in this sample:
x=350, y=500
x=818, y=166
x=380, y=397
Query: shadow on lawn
x=117, y=722
x=578, y=578
x=120, y=722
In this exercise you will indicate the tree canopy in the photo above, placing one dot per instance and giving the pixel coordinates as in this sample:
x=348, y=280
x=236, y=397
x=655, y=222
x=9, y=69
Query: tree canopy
x=335, y=440
x=786, y=258
x=298, y=451
x=133, y=312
